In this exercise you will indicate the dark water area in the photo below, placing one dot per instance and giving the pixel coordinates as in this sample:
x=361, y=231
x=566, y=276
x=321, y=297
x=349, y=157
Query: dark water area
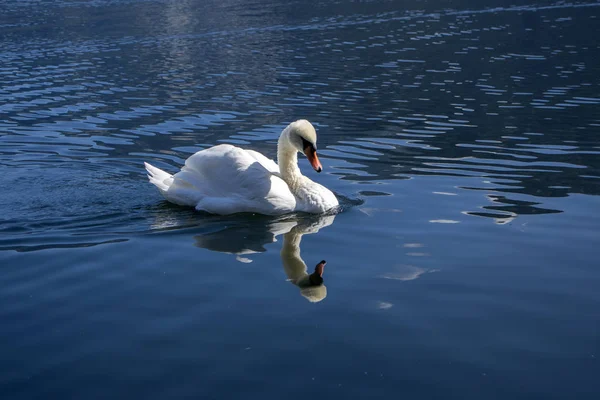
x=461, y=137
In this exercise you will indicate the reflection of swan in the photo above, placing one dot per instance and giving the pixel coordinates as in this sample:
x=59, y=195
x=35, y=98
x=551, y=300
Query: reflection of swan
x=225, y=179
x=243, y=237
x=311, y=285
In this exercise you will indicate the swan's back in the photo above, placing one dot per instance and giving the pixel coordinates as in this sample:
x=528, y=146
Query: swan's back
x=226, y=179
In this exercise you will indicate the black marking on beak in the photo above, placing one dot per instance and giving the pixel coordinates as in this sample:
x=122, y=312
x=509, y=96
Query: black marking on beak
x=310, y=151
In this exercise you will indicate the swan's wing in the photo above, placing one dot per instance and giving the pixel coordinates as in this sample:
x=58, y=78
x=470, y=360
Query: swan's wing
x=226, y=179
x=269, y=164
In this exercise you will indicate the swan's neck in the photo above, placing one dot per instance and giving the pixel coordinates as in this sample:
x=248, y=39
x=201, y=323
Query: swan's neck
x=287, y=158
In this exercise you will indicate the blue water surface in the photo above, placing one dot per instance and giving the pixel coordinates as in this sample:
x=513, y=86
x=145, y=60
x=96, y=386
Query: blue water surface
x=461, y=137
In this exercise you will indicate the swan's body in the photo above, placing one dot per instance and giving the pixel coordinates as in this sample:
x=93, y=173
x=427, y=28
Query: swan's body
x=225, y=179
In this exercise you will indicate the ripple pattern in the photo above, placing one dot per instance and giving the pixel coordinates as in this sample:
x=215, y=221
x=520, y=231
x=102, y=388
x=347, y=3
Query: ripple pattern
x=99, y=105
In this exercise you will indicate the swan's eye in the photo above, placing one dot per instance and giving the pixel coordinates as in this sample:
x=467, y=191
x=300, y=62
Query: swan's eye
x=306, y=145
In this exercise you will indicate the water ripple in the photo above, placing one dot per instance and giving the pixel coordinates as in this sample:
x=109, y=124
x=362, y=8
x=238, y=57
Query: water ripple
x=403, y=94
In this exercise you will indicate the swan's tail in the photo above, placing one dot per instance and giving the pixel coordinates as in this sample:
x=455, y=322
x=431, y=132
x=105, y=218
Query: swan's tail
x=159, y=178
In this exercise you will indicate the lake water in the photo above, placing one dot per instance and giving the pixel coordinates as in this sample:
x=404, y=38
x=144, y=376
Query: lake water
x=461, y=137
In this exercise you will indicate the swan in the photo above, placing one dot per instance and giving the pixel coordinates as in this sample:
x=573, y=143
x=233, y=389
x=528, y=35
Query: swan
x=226, y=179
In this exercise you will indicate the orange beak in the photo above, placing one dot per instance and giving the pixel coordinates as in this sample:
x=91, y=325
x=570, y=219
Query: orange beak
x=311, y=154
x=320, y=268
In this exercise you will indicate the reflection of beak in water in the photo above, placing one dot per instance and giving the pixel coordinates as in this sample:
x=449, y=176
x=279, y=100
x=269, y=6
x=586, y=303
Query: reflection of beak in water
x=244, y=237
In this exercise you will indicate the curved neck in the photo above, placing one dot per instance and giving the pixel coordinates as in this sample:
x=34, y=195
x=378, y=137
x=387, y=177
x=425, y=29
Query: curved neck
x=287, y=158
x=294, y=267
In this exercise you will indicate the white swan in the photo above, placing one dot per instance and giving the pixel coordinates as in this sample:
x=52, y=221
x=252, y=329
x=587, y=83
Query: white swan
x=225, y=179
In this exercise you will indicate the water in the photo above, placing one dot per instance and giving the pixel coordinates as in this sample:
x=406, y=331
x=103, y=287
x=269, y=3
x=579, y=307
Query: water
x=462, y=141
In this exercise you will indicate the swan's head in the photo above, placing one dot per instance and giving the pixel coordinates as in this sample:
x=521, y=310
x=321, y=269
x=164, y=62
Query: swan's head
x=303, y=137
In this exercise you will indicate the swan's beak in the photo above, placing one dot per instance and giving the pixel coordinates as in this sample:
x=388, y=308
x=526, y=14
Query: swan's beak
x=311, y=154
x=320, y=268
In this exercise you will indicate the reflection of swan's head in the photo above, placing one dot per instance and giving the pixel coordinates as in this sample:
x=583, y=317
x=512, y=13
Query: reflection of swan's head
x=314, y=294
x=314, y=279
x=311, y=286
x=300, y=136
